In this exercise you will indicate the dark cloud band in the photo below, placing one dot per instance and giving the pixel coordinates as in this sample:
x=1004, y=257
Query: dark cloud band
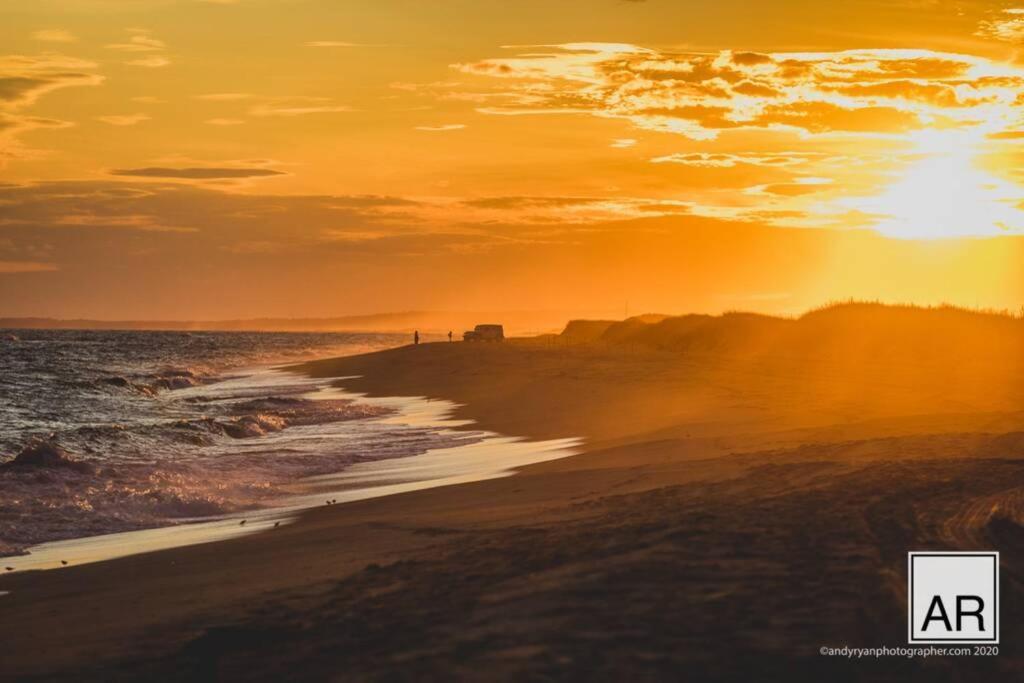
x=196, y=173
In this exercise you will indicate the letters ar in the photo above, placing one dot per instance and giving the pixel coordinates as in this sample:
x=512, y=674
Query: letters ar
x=961, y=612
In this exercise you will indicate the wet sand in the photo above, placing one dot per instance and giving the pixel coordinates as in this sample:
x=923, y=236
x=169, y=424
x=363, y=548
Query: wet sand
x=725, y=520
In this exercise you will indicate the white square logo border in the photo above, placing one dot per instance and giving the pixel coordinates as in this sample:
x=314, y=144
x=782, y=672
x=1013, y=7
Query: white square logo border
x=993, y=589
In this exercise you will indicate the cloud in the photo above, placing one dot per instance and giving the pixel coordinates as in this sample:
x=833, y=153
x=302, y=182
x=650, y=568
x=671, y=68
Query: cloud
x=24, y=79
x=155, y=226
x=509, y=203
x=263, y=255
x=622, y=143
x=296, y=109
x=172, y=219
x=729, y=160
x=139, y=43
x=700, y=95
x=10, y=123
x=223, y=96
x=898, y=125
x=329, y=43
x=22, y=90
x=152, y=62
x=7, y=267
x=54, y=35
x=581, y=211
x=802, y=186
x=441, y=128
x=13, y=125
x=225, y=122
x=197, y=173
x=1008, y=26
x=139, y=222
x=123, y=119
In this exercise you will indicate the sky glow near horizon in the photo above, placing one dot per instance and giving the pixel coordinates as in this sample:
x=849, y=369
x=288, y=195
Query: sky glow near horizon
x=265, y=149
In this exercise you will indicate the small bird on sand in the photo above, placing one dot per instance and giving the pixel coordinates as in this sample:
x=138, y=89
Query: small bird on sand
x=64, y=562
x=242, y=523
x=277, y=524
x=10, y=569
x=334, y=501
x=328, y=502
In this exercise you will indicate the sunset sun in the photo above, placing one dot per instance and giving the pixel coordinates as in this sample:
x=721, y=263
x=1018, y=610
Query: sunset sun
x=944, y=193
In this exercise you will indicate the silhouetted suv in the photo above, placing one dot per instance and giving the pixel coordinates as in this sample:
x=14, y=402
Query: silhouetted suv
x=485, y=333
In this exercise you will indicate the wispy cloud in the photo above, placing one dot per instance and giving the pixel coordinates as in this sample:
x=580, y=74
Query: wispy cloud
x=223, y=96
x=730, y=160
x=42, y=216
x=1007, y=25
x=700, y=95
x=555, y=210
x=26, y=267
x=123, y=119
x=23, y=80
x=197, y=173
x=894, y=118
x=329, y=43
x=296, y=109
x=54, y=35
x=225, y=122
x=442, y=128
x=139, y=43
x=139, y=222
x=141, y=40
x=274, y=106
x=151, y=62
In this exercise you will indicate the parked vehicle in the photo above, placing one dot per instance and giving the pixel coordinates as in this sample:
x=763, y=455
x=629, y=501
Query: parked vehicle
x=485, y=333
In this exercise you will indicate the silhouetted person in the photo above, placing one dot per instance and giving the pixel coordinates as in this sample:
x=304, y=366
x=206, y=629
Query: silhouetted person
x=416, y=337
x=449, y=336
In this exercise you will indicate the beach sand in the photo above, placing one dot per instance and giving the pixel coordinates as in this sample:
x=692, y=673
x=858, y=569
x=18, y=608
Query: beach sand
x=726, y=520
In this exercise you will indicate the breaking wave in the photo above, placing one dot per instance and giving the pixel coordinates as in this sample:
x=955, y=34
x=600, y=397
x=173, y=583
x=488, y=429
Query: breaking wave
x=91, y=443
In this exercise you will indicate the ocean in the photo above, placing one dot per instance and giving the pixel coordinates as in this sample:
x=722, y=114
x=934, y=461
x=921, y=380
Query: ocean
x=111, y=431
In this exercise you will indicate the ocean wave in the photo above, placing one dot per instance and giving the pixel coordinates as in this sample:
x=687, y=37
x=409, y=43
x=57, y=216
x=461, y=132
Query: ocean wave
x=44, y=455
x=125, y=383
x=243, y=427
x=170, y=379
x=71, y=485
x=301, y=411
x=52, y=494
x=58, y=502
x=257, y=417
x=167, y=379
x=104, y=431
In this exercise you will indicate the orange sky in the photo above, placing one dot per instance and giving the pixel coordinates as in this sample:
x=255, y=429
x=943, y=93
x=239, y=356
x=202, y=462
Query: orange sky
x=237, y=158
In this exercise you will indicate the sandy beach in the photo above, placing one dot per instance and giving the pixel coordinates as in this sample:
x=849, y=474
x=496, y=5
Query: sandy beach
x=719, y=507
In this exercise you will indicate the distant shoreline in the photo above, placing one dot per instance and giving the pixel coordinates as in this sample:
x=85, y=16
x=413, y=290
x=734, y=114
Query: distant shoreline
x=435, y=322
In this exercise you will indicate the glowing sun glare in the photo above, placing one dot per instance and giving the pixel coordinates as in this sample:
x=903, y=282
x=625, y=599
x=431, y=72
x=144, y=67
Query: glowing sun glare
x=945, y=194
